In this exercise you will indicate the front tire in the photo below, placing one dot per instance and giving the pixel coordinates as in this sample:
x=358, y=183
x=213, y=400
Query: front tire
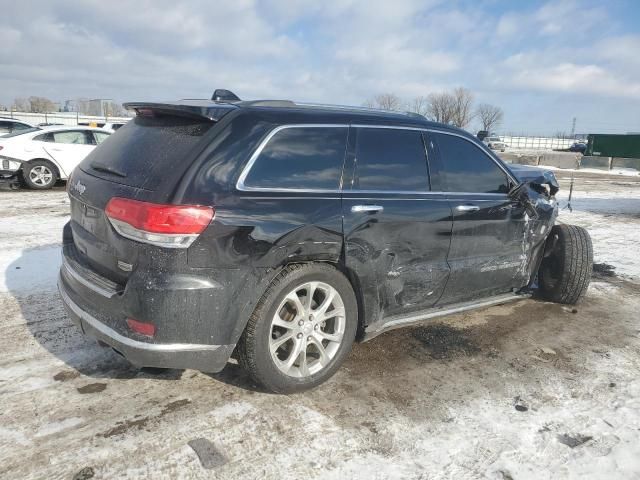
x=566, y=269
x=301, y=330
x=40, y=174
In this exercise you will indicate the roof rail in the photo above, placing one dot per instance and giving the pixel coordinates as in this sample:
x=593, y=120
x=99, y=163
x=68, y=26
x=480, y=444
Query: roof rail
x=267, y=103
x=363, y=109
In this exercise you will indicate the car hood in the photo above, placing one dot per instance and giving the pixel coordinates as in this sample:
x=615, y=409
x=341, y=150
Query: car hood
x=526, y=173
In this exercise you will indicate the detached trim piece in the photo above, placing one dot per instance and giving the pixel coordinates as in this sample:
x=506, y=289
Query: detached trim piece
x=89, y=279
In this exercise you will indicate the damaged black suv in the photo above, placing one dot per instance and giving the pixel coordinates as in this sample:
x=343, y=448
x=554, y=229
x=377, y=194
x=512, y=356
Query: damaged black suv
x=279, y=233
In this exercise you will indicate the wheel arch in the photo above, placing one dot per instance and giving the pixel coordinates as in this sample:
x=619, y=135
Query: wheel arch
x=261, y=286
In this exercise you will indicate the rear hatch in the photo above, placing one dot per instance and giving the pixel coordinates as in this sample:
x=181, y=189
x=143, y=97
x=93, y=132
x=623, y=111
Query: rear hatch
x=144, y=160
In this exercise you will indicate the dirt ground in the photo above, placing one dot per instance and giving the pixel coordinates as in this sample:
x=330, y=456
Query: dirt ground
x=531, y=390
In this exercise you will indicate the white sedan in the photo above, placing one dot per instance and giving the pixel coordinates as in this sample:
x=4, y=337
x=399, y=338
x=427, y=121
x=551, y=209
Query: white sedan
x=44, y=156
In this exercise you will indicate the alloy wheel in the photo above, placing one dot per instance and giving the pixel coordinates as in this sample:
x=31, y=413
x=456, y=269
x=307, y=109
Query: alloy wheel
x=41, y=175
x=307, y=329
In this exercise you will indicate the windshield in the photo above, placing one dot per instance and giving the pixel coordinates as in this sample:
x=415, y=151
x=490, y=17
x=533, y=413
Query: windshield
x=21, y=132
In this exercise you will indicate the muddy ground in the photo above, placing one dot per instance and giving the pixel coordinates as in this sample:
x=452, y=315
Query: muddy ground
x=529, y=390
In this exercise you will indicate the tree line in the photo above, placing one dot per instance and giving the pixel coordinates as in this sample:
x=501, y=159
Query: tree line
x=83, y=106
x=455, y=107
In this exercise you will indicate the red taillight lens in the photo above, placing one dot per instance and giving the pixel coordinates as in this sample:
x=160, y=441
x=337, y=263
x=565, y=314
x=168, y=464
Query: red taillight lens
x=175, y=226
x=143, y=328
x=156, y=218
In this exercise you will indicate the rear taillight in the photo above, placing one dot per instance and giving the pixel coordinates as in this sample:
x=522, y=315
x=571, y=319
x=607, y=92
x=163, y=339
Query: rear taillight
x=171, y=226
x=143, y=328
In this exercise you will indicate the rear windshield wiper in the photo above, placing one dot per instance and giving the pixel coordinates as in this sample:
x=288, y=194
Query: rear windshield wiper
x=100, y=167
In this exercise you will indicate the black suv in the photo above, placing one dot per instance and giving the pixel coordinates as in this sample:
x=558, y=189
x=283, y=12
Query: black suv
x=279, y=233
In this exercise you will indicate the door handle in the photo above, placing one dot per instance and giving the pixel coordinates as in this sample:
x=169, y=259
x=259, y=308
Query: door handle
x=467, y=208
x=367, y=208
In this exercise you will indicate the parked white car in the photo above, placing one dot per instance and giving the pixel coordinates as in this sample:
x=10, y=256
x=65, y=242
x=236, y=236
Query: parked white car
x=44, y=156
x=10, y=125
x=494, y=143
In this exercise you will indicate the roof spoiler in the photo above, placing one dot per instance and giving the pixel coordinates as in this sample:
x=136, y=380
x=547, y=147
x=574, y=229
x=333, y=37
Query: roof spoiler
x=202, y=110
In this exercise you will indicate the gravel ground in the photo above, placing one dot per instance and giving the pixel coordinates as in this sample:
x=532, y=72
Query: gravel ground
x=531, y=390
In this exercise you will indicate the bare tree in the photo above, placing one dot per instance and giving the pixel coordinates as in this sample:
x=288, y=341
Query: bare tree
x=490, y=116
x=385, y=101
x=41, y=105
x=21, y=104
x=440, y=107
x=462, y=107
x=419, y=105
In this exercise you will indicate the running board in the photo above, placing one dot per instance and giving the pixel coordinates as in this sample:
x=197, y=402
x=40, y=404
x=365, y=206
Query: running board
x=417, y=317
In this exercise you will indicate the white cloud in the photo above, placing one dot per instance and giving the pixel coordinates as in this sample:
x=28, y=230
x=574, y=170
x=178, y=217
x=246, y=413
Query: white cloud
x=338, y=51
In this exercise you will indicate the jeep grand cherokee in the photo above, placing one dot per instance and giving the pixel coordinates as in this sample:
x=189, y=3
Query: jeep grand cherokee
x=281, y=233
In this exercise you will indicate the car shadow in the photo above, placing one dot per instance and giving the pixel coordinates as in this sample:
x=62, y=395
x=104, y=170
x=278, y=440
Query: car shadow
x=31, y=279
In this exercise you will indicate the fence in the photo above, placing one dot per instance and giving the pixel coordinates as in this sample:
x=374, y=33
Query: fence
x=65, y=118
x=537, y=143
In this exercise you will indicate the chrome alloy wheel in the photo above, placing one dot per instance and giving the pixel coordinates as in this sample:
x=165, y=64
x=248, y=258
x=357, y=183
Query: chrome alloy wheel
x=307, y=329
x=41, y=175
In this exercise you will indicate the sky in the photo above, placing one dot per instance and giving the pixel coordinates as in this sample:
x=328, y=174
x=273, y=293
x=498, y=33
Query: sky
x=543, y=63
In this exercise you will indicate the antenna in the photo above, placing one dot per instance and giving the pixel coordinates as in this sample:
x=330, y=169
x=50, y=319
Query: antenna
x=222, y=95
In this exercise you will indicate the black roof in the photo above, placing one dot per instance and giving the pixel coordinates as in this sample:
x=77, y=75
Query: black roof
x=215, y=110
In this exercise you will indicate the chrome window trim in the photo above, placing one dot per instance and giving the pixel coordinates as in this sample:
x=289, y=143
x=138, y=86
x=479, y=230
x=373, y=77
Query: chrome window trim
x=254, y=156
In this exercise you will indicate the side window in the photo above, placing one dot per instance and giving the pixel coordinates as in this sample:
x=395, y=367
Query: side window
x=75, y=137
x=20, y=126
x=466, y=168
x=5, y=127
x=301, y=158
x=45, y=137
x=100, y=137
x=390, y=159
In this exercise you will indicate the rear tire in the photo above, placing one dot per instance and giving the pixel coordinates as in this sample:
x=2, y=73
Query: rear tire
x=566, y=269
x=292, y=344
x=40, y=174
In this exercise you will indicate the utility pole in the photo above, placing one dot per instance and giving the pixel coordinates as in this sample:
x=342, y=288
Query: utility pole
x=573, y=127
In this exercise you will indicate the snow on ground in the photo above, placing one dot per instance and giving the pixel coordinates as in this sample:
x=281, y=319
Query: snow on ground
x=524, y=391
x=619, y=171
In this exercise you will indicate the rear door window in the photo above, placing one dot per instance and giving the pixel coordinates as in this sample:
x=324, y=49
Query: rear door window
x=390, y=160
x=74, y=137
x=466, y=168
x=300, y=158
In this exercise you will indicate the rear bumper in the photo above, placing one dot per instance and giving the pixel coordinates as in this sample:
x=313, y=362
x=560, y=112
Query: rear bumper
x=206, y=358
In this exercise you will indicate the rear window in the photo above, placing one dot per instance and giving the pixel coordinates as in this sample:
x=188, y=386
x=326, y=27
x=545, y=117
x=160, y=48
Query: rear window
x=146, y=150
x=302, y=158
